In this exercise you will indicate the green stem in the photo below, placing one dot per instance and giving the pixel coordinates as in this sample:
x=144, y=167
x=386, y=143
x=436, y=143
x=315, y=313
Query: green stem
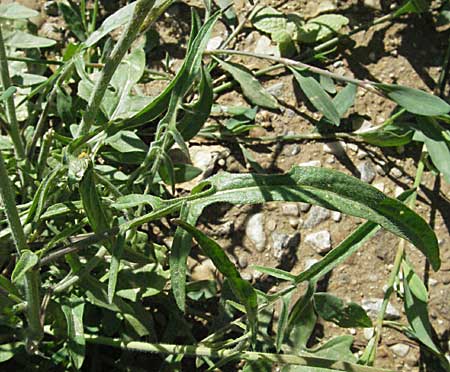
x=366, y=84
x=195, y=350
x=372, y=350
x=32, y=280
x=128, y=36
x=10, y=108
x=310, y=54
x=73, y=278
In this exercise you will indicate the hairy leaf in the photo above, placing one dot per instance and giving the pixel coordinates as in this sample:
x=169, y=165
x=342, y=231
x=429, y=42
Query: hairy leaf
x=73, y=309
x=241, y=288
x=16, y=11
x=327, y=188
x=415, y=100
x=333, y=309
x=26, y=262
x=251, y=87
x=318, y=97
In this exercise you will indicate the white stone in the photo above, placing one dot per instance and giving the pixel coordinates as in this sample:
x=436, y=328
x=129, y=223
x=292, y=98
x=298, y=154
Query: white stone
x=361, y=154
x=312, y=163
x=374, y=4
x=264, y=46
x=395, y=172
x=290, y=209
x=316, y=216
x=255, y=231
x=276, y=89
x=336, y=216
x=320, y=241
x=398, y=191
x=367, y=170
x=336, y=148
x=304, y=207
x=279, y=243
x=373, y=306
x=368, y=333
x=353, y=147
x=379, y=186
x=214, y=43
x=400, y=350
x=309, y=262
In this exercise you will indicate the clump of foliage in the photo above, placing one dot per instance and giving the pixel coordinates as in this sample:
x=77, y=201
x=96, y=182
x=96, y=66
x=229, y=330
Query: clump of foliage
x=86, y=172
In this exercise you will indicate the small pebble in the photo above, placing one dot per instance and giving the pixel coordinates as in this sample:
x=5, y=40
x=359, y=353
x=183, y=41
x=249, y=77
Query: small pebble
x=336, y=148
x=400, y=350
x=380, y=170
x=368, y=333
x=336, y=216
x=312, y=163
x=309, y=262
x=395, y=172
x=373, y=306
x=255, y=231
x=316, y=216
x=320, y=241
x=398, y=191
x=379, y=186
x=242, y=262
x=367, y=170
x=271, y=225
x=247, y=276
x=290, y=209
x=353, y=147
x=361, y=154
x=304, y=207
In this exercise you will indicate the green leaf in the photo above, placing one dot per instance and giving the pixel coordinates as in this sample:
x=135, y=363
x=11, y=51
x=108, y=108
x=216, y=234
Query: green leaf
x=276, y=273
x=72, y=17
x=127, y=142
x=327, y=84
x=431, y=133
x=114, y=21
x=7, y=93
x=269, y=20
x=8, y=287
x=416, y=298
x=345, y=99
x=8, y=351
x=197, y=113
x=241, y=288
x=92, y=203
x=319, y=186
x=334, y=310
x=41, y=195
x=397, y=134
x=301, y=322
x=415, y=100
x=73, y=309
x=251, y=87
x=116, y=256
x=24, y=40
x=322, y=27
x=318, y=97
x=16, y=11
x=26, y=262
x=283, y=321
x=186, y=75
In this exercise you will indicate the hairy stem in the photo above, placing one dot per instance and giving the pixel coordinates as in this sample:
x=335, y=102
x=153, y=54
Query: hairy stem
x=194, y=350
x=368, y=85
x=124, y=43
x=32, y=280
x=10, y=108
x=371, y=352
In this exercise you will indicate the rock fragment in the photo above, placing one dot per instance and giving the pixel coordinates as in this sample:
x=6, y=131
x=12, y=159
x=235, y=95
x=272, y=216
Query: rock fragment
x=320, y=241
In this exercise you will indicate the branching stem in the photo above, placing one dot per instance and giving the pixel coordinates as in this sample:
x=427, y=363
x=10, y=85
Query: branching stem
x=128, y=36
